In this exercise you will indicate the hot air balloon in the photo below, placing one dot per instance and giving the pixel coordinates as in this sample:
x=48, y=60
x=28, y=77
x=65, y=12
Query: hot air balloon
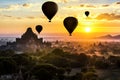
x=38, y=28
x=70, y=24
x=49, y=9
x=87, y=13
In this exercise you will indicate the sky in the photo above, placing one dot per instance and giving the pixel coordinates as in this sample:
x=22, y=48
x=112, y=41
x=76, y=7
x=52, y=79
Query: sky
x=17, y=15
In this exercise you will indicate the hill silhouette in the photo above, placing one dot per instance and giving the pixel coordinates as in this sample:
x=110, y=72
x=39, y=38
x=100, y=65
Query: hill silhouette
x=109, y=37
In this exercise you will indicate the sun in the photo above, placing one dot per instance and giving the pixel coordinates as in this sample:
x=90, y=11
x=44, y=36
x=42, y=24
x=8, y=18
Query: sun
x=87, y=29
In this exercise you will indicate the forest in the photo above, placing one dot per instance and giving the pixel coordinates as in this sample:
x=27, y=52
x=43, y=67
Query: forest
x=58, y=64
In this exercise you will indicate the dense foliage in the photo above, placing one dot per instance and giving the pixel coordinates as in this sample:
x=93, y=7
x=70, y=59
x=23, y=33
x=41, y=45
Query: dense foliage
x=55, y=65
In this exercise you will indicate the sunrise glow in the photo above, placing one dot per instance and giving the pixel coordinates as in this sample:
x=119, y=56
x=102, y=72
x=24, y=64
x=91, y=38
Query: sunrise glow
x=87, y=29
x=16, y=16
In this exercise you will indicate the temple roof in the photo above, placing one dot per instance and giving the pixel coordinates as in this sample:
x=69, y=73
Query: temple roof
x=29, y=34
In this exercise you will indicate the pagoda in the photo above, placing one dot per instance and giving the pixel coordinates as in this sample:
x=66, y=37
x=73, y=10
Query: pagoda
x=29, y=41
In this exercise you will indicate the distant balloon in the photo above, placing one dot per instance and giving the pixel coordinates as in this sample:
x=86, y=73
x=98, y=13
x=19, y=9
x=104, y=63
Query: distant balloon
x=49, y=9
x=87, y=13
x=39, y=28
x=70, y=24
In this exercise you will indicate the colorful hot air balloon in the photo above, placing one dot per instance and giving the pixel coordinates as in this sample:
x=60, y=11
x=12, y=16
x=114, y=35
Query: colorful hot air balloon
x=49, y=9
x=38, y=28
x=70, y=24
x=87, y=13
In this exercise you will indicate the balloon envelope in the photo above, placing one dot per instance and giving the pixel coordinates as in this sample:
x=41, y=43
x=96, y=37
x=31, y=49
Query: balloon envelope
x=70, y=24
x=87, y=13
x=49, y=9
x=38, y=28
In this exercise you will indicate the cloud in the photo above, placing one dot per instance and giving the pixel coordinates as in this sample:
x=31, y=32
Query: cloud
x=31, y=17
x=60, y=1
x=65, y=1
x=16, y=7
x=117, y=2
x=81, y=5
x=26, y=5
x=10, y=17
x=105, y=5
x=10, y=7
x=87, y=5
x=7, y=16
x=108, y=16
x=18, y=18
x=91, y=6
x=118, y=11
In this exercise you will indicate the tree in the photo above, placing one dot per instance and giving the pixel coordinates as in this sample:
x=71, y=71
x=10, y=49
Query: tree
x=60, y=73
x=44, y=71
x=90, y=76
x=21, y=59
x=83, y=59
x=43, y=74
x=57, y=60
x=77, y=76
x=24, y=63
x=7, y=53
x=68, y=70
x=101, y=64
x=7, y=66
x=58, y=51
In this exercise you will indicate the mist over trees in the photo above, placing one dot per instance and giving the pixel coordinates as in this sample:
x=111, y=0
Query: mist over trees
x=58, y=64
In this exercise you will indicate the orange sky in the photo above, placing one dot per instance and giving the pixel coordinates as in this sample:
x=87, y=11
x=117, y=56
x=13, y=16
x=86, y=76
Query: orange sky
x=104, y=18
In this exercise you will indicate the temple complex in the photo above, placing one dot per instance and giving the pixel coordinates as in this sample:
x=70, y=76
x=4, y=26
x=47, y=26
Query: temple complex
x=29, y=42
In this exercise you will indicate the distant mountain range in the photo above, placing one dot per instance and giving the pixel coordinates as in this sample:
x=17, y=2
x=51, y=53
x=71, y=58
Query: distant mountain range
x=109, y=37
